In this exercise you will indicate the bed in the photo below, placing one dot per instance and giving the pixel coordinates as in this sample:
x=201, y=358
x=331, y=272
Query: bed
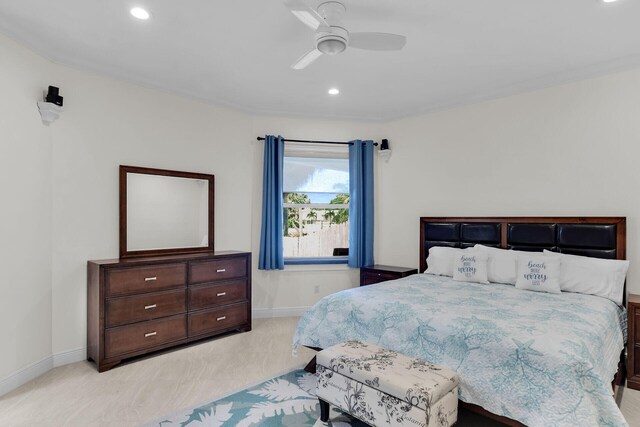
x=525, y=358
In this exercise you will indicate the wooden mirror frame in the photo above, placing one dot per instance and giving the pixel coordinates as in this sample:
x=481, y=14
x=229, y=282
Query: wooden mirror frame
x=124, y=253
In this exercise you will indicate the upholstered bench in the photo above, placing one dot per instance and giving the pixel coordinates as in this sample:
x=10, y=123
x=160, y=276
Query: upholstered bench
x=385, y=388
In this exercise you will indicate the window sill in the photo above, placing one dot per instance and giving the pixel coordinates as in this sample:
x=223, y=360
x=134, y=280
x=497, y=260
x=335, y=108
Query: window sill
x=316, y=267
x=316, y=264
x=326, y=260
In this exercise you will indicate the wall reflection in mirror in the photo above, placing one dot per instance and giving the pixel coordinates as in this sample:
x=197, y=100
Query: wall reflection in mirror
x=166, y=212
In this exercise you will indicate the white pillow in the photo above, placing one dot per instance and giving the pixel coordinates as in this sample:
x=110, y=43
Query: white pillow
x=538, y=272
x=470, y=265
x=592, y=276
x=501, y=266
x=440, y=260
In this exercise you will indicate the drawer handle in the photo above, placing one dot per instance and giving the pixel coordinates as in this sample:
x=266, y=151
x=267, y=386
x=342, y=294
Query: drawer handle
x=222, y=270
x=150, y=279
x=221, y=318
x=149, y=307
x=150, y=334
x=221, y=294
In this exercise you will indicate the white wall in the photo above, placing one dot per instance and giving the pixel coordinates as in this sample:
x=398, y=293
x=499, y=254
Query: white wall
x=25, y=213
x=566, y=150
x=107, y=123
x=67, y=198
x=166, y=212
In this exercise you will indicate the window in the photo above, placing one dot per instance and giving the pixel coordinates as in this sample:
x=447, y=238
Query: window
x=316, y=204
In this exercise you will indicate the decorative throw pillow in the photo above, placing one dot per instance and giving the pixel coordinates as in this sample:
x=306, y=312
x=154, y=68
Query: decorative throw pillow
x=470, y=265
x=592, y=276
x=501, y=265
x=537, y=272
x=440, y=260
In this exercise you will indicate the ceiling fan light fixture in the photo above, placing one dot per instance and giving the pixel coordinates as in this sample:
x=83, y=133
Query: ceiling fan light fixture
x=332, y=46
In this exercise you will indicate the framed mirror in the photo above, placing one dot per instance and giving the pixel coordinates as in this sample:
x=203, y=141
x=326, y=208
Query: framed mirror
x=165, y=212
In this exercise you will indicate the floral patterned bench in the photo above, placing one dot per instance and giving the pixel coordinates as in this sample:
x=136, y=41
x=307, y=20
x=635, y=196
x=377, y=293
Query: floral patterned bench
x=385, y=388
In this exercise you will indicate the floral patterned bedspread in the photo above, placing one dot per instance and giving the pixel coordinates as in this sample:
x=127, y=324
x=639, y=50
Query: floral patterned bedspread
x=542, y=359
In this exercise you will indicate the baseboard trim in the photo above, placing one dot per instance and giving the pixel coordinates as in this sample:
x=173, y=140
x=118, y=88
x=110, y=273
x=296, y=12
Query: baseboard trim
x=270, y=313
x=25, y=375
x=70, y=356
x=31, y=372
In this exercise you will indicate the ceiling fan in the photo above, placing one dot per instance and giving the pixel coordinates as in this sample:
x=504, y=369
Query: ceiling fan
x=331, y=37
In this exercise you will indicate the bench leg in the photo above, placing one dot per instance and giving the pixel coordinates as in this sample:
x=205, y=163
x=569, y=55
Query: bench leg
x=311, y=366
x=324, y=411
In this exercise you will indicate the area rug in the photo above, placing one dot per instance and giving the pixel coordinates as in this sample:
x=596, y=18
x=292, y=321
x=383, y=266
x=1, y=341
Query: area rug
x=287, y=400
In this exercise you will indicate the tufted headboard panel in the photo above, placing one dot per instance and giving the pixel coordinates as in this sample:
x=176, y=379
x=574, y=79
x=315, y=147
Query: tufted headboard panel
x=599, y=237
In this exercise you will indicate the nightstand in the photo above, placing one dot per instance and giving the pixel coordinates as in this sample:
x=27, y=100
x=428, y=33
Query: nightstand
x=380, y=273
x=633, y=345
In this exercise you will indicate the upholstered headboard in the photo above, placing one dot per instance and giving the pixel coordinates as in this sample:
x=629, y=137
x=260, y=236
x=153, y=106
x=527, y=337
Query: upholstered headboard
x=600, y=237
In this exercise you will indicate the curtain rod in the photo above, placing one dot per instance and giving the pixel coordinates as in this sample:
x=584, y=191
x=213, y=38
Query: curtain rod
x=316, y=142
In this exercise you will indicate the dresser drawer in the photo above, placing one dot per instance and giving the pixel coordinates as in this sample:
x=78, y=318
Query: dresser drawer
x=371, y=278
x=135, y=280
x=145, y=335
x=205, y=296
x=123, y=310
x=218, y=269
x=205, y=322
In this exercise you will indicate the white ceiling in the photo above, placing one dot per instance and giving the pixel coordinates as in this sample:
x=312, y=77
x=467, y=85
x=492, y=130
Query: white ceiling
x=238, y=52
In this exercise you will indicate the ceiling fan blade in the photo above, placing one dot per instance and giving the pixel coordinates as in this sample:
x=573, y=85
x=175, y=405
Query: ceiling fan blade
x=377, y=41
x=307, y=59
x=304, y=13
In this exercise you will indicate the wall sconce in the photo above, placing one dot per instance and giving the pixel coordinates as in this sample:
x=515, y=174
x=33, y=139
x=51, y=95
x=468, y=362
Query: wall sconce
x=384, y=152
x=51, y=106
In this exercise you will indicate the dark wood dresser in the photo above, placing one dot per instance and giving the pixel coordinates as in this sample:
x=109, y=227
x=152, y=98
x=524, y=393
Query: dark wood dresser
x=139, y=305
x=381, y=273
x=633, y=345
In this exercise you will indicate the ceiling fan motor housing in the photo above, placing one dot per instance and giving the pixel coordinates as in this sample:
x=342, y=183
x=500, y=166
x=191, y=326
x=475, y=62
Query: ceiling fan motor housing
x=334, y=42
x=332, y=11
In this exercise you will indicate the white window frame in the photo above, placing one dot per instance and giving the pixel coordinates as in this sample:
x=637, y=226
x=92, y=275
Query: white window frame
x=320, y=151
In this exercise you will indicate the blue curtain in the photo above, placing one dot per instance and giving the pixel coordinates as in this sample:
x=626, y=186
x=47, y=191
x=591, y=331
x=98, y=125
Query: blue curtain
x=271, y=251
x=361, y=203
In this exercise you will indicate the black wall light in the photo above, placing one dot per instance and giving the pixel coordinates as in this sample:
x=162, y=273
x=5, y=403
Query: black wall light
x=53, y=96
x=51, y=107
x=385, y=151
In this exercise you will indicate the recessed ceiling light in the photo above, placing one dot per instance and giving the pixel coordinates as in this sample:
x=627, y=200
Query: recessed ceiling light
x=140, y=13
x=609, y=1
x=333, y=91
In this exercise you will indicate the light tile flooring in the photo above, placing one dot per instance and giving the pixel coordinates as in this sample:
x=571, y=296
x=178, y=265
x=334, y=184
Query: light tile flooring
x=135, y=393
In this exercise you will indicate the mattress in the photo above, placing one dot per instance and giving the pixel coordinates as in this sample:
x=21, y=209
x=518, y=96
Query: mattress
x=541, y=359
